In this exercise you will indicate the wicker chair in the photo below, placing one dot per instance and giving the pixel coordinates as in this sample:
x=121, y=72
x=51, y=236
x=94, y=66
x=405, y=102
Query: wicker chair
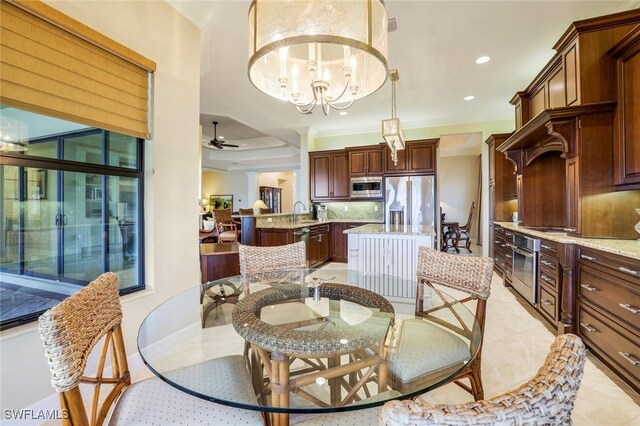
x=227, y=228
x=70, y=331
x=471, y=275
x=255, y=259
x=547, y=398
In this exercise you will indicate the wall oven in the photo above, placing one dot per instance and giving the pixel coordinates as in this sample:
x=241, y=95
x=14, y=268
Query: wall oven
x=525, y=266
x=366, y=187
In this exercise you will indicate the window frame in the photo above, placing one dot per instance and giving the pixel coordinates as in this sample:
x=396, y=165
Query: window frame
x=60, y=165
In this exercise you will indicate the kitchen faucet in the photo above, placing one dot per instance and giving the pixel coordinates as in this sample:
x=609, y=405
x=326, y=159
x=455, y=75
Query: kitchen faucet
x=295, y=216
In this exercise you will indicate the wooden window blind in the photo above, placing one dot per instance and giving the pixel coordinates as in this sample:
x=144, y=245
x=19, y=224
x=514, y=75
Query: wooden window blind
x=54, y=65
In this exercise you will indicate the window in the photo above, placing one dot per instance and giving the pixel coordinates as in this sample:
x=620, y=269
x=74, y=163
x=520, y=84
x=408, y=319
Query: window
x=71, y=209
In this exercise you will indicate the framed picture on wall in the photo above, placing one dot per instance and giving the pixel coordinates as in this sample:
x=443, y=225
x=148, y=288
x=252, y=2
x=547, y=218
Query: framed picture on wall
x=221, y=202
x=36, y=181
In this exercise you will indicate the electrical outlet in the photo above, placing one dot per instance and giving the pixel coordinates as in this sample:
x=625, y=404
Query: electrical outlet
x=376, y=208
x=269, y=219
x=346, y=208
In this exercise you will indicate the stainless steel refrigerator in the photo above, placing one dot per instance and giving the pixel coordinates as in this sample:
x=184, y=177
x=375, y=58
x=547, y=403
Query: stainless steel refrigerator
x=410, y=200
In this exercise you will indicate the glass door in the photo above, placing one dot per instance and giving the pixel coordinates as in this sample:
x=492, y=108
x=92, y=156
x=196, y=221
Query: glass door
x=39, y=222
x=81, y=222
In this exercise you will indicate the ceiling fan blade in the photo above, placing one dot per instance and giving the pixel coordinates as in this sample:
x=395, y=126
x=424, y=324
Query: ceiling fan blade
x=231, y=145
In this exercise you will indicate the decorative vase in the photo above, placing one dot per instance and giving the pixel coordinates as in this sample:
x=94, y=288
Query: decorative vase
x=637, y=227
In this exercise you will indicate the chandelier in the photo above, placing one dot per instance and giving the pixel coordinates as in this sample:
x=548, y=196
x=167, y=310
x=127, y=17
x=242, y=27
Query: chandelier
x=391, y=129
x=309, y=52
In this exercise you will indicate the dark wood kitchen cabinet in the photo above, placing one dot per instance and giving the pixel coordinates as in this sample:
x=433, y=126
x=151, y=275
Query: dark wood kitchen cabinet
x=365, y=162
x=608, y=310
x=339, y=240
x=275, y=236
x=627, y=125
x=329, y=172
x=418, y=157
x=319, y=245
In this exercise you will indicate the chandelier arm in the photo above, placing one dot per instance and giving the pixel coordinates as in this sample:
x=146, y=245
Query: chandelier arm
x=346, y=86
x=309, y=107
x=337, y=108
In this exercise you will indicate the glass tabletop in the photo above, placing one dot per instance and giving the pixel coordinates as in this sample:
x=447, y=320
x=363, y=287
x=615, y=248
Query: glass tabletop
x=308, y=341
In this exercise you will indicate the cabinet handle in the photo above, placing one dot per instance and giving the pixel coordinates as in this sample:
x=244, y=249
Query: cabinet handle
x=584, y=256
x=509, y=256
x=629, y=308
x=547, y=302
x=508, y=234
x=545, y=262
x=632, y=359
x=547, y=279
x=544, y=246
x=588, y=287
x=628, y=271
x=588, y=327
x=569, y=229
x=496, y=241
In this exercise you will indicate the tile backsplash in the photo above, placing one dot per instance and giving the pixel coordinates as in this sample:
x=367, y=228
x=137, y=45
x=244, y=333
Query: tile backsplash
x=356, y=210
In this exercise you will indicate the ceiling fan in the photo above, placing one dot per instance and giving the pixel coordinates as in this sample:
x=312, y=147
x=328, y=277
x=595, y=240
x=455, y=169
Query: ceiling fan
x=220, y=144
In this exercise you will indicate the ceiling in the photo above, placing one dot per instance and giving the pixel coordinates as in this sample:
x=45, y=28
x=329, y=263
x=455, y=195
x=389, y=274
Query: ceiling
x=434, y=49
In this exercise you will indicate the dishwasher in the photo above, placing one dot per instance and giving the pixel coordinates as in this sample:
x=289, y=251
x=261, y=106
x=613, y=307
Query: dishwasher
x=302, y=234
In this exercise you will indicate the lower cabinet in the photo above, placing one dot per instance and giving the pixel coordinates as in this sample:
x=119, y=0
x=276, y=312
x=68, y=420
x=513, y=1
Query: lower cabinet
x=275, y=237
x=319, y=245
x=339, y=241
x=608, y=310
x=549, y=282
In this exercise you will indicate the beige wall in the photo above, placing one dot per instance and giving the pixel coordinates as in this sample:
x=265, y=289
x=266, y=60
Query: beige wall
x=459, y=187
x=284, y=180
x=223, y=183
x=172, y=171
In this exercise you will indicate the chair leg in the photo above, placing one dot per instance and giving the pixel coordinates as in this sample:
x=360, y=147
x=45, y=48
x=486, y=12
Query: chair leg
x=476, y=382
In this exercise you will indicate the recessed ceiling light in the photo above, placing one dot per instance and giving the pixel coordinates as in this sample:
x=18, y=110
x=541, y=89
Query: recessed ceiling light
x=483, y=60
x=220, y=137
x=469, y=98
x=343, y=113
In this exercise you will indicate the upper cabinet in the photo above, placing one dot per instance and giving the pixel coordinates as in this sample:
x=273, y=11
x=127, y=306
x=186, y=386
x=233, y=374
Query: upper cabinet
x=576, y=141
x=329, y=172
x=580, y=72
x=418, y=157
x=627, y=125
x=365, y=161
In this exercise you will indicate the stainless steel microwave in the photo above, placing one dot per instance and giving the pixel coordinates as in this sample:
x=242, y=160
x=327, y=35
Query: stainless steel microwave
x=366, y=187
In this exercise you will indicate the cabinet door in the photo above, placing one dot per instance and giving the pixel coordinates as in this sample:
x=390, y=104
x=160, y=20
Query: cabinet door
x=320, y=177
x=275, y=237
x=422, y=158
x=358, y=163
x=324, y=245
x=338, y=242
x=374, y=162
x=314, y=250
x=339, y=176
x=389, y=167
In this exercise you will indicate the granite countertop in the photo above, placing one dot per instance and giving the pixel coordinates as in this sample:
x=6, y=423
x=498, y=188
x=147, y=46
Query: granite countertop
x=629, y=248
x=307, y=223
x=381, y=228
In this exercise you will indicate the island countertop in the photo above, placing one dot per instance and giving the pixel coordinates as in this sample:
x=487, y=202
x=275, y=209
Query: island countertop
x=381, y=228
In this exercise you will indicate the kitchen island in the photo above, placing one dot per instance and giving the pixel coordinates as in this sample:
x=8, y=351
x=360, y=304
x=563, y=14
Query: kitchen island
x=387, y=249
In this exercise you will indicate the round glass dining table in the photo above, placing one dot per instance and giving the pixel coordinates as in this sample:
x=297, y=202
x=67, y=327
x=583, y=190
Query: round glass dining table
x=309, y=341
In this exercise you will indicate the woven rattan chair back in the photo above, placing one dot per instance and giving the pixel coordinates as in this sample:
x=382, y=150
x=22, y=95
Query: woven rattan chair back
x=471, y=275
x=547, y=399
x=255, y=259
x=69, y=332
x=222, y=215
